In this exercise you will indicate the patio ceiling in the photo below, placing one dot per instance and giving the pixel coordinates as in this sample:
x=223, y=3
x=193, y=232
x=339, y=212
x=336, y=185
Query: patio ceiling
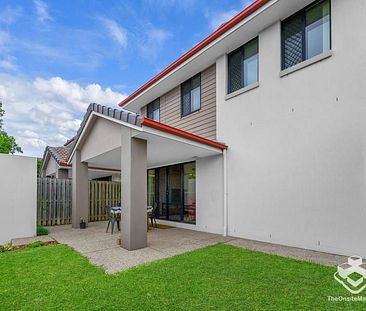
x=162, y=149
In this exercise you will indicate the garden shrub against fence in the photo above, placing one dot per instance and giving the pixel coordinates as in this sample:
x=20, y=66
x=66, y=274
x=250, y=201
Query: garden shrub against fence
x=54, y=197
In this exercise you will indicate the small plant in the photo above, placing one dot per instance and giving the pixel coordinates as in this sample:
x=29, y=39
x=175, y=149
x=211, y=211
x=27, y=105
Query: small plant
x=42, y=230
x=5, y=248
x=35, y=244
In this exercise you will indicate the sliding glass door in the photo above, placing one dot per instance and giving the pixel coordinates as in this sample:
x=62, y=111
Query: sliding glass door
x=175, y=211
x=172, y=190
x=189, y=190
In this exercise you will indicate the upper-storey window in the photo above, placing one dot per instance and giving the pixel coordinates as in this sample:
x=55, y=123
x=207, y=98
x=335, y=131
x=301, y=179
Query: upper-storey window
x=243, y=66
x=153, y=110
x=191, y=95
x=306, y=34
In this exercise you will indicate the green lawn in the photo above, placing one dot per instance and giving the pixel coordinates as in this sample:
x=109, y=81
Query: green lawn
x=220, y=277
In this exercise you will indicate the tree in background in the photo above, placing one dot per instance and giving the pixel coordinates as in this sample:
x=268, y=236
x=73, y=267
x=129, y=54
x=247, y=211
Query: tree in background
x=39, y=166
x=7, y=143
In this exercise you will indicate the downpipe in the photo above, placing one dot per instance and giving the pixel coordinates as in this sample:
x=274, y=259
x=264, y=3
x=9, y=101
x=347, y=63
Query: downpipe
x=225, y=216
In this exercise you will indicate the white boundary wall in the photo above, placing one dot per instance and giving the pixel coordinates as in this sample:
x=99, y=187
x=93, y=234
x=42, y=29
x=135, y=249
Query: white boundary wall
x=18, y=197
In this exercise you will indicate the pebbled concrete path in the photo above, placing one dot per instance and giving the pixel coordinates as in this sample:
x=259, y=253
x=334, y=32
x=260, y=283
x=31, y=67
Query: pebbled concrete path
x=102, y=248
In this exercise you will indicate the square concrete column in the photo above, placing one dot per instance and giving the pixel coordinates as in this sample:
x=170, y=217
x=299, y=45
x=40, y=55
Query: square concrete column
x=133, y=191
x=80, y=192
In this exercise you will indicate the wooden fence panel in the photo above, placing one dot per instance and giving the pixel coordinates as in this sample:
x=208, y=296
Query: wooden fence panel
x=54, y=200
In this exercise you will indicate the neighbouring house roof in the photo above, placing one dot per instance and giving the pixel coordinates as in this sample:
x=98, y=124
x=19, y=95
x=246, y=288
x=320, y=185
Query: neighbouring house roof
x=60, y=154
x=197, y=48
x=138, y=121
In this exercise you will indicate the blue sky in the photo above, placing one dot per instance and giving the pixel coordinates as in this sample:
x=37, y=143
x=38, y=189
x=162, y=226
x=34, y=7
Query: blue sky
x=58, y=56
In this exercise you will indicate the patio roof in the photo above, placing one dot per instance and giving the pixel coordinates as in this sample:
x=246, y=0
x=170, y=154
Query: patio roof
x=145, y=127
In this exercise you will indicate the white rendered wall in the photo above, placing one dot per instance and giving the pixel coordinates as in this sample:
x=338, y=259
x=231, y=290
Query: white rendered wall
x=296, y=157
x=18, y=197
x=209, y=197
x=51, y=168
x=209, y=194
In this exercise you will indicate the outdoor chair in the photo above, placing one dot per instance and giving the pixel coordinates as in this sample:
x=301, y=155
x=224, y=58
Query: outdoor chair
x=114, y=217
x=152, y=215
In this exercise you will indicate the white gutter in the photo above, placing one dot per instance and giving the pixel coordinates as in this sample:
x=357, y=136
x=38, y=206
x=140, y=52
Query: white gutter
x=225, y=233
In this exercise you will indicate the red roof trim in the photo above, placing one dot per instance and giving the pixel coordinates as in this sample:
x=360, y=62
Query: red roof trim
x=64, y=164
x=220, y=31
x=172, y=130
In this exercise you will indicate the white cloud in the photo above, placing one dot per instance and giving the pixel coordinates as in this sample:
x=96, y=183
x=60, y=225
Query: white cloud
x=4, y=38
x=44, y=112
x=216, y=19
x=42, y=11
x=169, y=4
x=219, y=18
x=9, y=15
x=115, y=31
x=153, y=41
x=8, y=63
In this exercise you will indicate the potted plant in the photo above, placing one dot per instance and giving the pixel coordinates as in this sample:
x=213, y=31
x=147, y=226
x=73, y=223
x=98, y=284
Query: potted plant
x=82, y=223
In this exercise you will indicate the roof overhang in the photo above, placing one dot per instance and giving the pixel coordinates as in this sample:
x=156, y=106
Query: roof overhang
x=45, y=159
x=166, y=144
x=240, y=29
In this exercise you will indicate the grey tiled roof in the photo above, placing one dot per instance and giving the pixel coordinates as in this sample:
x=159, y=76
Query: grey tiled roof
x=118, y=114
x=61, y=154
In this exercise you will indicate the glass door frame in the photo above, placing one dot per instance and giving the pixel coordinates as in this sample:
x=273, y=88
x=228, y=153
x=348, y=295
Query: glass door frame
x=167, y=196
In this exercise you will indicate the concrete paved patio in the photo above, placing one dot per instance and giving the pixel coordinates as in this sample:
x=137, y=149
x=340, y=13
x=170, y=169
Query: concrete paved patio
x=101, y=248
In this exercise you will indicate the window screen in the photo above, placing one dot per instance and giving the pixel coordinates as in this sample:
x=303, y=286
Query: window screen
x=191, y=95
x=243, y=66
x=306, y=34
x=153, y=110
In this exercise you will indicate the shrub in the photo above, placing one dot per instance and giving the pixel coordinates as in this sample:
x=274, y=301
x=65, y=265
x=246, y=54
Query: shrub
x=41, y=230
x=5, y=248
x=36, y=244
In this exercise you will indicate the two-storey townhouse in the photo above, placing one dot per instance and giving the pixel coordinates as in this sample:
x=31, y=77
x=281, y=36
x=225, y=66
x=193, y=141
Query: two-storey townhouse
x=258, y=131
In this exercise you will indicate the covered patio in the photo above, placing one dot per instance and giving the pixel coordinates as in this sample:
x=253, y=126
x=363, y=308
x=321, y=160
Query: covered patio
x=120, y=140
